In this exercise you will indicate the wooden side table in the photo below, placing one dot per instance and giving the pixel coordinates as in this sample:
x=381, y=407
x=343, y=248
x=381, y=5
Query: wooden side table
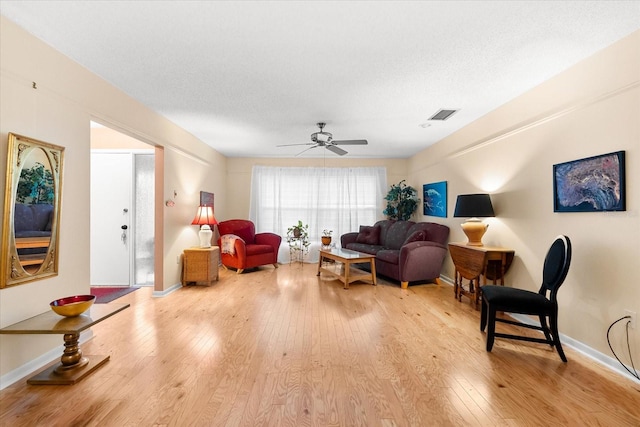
x=471, y=262
x=200, y=265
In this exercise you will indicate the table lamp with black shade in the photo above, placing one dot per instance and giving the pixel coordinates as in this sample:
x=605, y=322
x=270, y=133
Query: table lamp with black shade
x=473, y=207
x=205, y=219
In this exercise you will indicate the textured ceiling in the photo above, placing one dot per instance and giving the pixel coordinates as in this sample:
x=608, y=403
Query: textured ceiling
x=246, y=76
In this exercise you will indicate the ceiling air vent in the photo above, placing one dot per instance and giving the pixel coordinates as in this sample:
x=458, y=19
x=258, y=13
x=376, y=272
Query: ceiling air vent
x=443, y=114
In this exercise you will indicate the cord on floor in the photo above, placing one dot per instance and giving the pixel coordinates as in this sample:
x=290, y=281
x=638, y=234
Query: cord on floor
x=634, y=373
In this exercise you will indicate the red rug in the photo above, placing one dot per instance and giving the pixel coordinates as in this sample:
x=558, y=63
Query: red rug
x=105, y=294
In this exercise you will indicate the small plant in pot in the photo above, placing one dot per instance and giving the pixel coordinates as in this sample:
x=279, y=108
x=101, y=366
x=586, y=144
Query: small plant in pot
x=326, y=237
x=298, y=237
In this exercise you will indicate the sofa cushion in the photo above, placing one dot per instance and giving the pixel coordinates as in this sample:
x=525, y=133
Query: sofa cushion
x=32, y=218
x=22, y=218
x=384, y=229
x=434, y=232
x=388, y=255
x=258, y=249
x=416, y=236
x=363, y=247
x=41, y=216
x=368, y=235
x=397, y=234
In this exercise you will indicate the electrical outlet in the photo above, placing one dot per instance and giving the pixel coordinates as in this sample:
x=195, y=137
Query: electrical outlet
x=177, y=259
x=631, y=314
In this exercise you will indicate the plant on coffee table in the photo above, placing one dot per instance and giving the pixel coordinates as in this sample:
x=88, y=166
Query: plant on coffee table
x=326, y=237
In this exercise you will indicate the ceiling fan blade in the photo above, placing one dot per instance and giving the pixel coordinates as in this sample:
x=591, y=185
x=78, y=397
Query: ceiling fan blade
x=338, y=151
x=291, y=145
x=306, y=149
x=351, y=142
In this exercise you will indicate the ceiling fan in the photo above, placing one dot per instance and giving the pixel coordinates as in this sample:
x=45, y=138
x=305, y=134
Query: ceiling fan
x=325, y=139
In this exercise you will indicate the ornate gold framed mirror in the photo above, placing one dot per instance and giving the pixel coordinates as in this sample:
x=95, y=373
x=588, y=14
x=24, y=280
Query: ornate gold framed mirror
x=30, y=230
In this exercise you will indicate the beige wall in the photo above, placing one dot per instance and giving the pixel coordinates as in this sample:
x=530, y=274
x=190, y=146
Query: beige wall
x=106, y=138
x=59, y=111
x=592, y=108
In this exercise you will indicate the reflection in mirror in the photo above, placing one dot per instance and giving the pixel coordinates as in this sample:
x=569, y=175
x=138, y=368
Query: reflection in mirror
x=31, y=211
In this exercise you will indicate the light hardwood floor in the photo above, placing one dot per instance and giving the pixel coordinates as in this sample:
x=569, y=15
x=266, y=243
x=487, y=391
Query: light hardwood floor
x=285, y=348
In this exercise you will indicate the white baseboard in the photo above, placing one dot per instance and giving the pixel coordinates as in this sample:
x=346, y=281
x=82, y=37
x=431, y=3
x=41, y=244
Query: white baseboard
x=601, y=358
x=43, y=360
x=160, y=294
x=39, y=362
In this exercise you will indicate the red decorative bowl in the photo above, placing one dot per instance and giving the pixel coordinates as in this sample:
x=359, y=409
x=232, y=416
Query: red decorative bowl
x=72, y=306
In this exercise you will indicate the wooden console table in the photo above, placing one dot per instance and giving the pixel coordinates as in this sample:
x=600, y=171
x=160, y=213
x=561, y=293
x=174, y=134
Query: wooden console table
x=73, y=365
x=471, y=262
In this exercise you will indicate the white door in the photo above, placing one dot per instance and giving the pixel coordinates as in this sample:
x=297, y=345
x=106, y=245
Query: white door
x=111, y=203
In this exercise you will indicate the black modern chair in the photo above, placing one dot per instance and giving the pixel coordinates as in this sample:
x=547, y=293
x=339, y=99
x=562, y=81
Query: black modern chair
x=512, y=300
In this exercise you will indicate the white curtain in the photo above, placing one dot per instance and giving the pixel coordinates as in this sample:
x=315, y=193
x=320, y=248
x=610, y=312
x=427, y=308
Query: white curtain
x=338, y=199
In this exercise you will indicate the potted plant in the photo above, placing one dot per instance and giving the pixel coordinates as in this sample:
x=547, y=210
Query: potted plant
x=35, y=185
x=402, y=201
x=326, y=237
x=298, y=240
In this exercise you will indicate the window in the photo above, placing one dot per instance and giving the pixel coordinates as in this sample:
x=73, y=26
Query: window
x=338, y=199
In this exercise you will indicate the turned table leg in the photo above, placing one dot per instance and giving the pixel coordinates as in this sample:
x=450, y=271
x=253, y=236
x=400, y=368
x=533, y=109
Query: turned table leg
x=72, y=358
x=73, y=365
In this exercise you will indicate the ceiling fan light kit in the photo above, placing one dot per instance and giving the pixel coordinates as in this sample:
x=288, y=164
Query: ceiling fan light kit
x=321, y=137
x=325, y=139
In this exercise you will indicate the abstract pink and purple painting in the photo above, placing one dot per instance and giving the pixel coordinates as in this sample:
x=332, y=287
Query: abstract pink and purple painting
x=590, y=185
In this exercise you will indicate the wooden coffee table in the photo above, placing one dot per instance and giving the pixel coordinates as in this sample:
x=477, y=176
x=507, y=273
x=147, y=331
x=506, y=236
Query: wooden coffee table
x=345, y=272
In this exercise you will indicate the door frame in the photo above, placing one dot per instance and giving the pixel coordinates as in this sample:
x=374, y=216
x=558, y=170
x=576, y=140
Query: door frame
x=158, y=151
x=132, y=201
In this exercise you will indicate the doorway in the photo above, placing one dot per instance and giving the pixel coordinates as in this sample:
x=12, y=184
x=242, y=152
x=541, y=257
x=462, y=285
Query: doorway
x=122, y=210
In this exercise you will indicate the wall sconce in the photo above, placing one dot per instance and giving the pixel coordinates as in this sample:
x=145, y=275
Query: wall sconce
x=473, y=206
x=205, y=219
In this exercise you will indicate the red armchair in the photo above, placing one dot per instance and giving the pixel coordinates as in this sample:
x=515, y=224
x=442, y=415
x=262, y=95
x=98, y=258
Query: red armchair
x=251, y=249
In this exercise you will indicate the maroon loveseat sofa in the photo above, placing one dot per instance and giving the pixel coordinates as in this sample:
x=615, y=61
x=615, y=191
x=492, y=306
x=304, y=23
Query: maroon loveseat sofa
x=405, y=250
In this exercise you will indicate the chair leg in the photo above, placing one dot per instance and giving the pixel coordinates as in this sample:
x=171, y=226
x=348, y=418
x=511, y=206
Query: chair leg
x=556, y=337
x=455, y=286
x=275, y=265
x=545, y=329
x=492, y=326
x=483, y=316
x=240, y=270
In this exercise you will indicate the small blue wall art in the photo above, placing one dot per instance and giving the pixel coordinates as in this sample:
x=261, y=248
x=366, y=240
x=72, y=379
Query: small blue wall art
x=435, y=199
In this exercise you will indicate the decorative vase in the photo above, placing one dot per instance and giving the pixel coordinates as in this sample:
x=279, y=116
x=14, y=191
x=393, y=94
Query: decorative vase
x=205, y=236
x=296, y=232
x=326, y=240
